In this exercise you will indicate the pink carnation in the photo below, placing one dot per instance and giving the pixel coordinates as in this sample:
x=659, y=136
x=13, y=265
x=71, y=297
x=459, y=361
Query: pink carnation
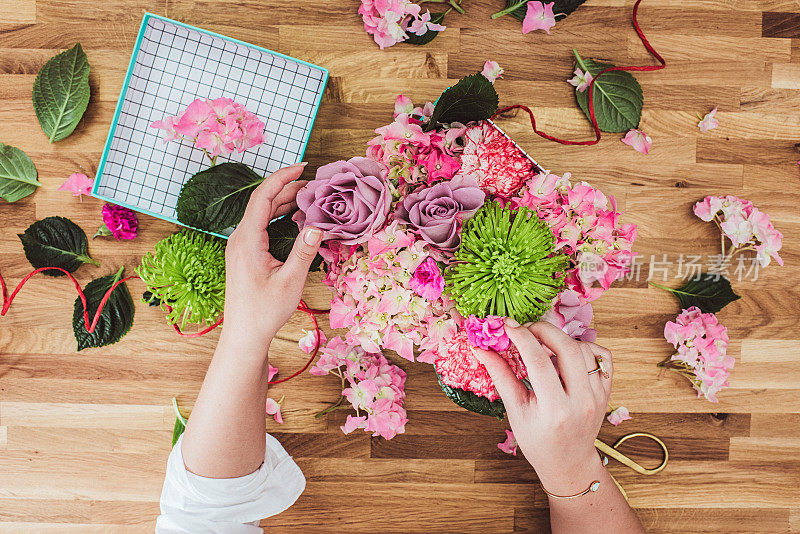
x=427, y=281
x=499, y=165
x=458, y=367
x=121, y=222
x=488, y=333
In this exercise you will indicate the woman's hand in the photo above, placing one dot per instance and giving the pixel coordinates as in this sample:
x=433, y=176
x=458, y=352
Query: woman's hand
x=261, y=292
x=556, y=424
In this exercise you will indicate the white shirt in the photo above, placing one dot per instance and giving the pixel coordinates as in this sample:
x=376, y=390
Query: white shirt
x=191, y=504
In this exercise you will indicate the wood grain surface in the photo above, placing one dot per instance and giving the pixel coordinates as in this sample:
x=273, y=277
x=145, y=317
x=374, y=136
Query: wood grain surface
x=84, y=436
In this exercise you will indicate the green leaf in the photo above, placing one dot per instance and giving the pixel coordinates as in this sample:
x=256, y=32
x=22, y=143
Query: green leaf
x=18, y=177
x=214, y=199
x=471, y=99
x=428, y=36
x=282, y=233
x=710, y=292
x=180, y=422
x=61, y=93
x=56, y=242
x=561, y=6
x=617, y=96
x=472, y=402
x=116, y=318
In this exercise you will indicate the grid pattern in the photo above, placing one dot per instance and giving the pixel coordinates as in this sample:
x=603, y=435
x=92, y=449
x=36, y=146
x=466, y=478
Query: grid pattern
x=173, y=65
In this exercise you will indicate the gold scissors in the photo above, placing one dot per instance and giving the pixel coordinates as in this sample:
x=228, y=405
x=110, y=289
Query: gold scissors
x=611, y=451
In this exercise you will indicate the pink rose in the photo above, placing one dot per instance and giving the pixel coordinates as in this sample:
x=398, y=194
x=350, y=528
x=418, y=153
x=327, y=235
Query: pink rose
x=348, y=200
x=428, y=281
x=120, y=221
x=488, y=333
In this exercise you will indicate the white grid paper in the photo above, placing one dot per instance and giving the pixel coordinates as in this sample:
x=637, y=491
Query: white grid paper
x=174, y=66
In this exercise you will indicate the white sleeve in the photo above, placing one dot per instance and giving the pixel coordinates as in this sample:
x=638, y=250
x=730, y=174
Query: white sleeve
x=191, y=504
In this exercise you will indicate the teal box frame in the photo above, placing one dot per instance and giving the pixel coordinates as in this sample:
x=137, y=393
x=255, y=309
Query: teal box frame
x=126, y=83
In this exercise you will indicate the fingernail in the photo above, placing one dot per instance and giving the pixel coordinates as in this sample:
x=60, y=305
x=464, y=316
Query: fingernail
x=301, y=164
x=510, y=321
x=312, y=236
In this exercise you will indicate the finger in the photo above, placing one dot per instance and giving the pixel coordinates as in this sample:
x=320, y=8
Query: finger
x=601, y=351
x=511, y=389
x=571, y=362
x=304, y=250
x=541, y=373
x=591, y=363
x=260, y=209
x=285, y=209
x=288, y=194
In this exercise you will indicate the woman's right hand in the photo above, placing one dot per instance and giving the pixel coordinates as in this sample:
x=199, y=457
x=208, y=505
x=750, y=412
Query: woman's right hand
x=556, y=423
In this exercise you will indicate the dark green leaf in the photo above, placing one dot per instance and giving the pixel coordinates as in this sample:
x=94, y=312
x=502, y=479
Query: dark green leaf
x=561, y=6
x=471, y=99
x=61, y=93
x=617, y=97
x=472, y=402
x=152, y=300
x=56, y=242
x=180, y=423
x=214, y=199
x=282, y=233
x=428, y=36
x=17, y=174
x=116, y=318
x=710, y=292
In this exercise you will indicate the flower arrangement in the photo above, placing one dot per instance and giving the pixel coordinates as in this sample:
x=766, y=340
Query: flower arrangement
x=441, y=231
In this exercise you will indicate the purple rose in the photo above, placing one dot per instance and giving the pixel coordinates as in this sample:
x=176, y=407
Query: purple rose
x=348, y=200
x=436, y=213
x=489, y=333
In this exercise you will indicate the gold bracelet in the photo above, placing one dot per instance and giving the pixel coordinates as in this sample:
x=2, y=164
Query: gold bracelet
x=592, y=487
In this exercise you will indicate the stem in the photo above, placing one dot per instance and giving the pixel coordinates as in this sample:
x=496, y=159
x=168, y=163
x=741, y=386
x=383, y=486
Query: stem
x=579, y=60
x=509, y=9
x=88, y=259
x=457, y=7
x=659, y=286
x=329, y=409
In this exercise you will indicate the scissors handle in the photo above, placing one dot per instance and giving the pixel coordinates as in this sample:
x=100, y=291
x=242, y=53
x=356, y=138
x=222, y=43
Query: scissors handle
x=611, y=450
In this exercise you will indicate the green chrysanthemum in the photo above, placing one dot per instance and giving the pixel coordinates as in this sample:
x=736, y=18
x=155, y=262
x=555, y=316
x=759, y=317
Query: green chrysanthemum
x=506, y=265
x=186, y=272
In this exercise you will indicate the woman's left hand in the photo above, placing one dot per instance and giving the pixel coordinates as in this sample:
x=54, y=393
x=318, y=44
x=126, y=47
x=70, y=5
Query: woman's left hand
x=261, y=292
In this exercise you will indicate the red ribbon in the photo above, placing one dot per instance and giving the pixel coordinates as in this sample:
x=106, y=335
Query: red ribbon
x=8, y=299
x=592, y=118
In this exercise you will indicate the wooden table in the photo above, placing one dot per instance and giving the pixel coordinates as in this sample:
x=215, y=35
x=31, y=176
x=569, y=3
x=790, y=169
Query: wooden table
x=84, y=437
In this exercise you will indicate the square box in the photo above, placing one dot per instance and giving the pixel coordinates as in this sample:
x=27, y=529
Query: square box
x=172, y=65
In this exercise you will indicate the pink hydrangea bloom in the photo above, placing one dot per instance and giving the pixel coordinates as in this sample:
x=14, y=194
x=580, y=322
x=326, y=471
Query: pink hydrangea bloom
x=374, y=298
x=121, y=222
x=709, y=122
x=78, y=184
x=458, y=367
x=640, y=141
x=619, y=415
x=374, y=387
x=509, y=446
x=219, y=126
x=427, y=281
x=388, y=21
x=539, y=17
x=744, y=225
x=271, y=372
x=499, y=165
x=581, y=80
x=701, y=354
x=274, y=409
x=492, y=71
x=572, y=314
x=309, y=341
x=587, y=226
x=488, y=333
